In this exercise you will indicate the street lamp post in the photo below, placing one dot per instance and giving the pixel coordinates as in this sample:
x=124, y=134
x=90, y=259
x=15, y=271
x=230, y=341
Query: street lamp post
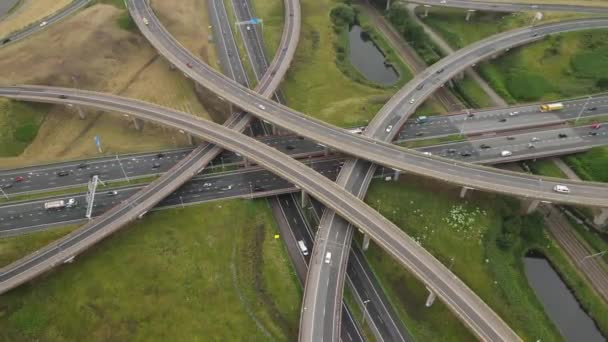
x=123, y=169
x=364, y=310
x=582, y=109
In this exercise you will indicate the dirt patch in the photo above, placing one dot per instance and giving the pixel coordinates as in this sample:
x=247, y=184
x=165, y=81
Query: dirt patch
x=28, y=12
x=89, y=51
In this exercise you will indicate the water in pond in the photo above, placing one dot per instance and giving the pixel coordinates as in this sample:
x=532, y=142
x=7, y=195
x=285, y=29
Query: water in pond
x=560, y=304
x=368, y=59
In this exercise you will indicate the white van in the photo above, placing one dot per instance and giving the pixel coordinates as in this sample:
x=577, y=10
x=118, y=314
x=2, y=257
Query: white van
x=505, y=153
x=303, y=248
x=327, y=257
x=561, y=188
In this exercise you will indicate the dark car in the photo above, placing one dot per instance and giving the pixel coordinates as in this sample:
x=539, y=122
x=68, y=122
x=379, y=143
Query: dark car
x=503, y=120
x=593, y=133
x=189, y=65
x=470, y=115
x=562, y=135
x=440, y=71
x=591, y=109
x=6, y=41
x=289, y=147
x=83, y=166
x=160, y=155
x=419, y=86
x=63, y=173
x=258, y=188
x=63, y=96
x=6, y=186
x=510, y=138
x=465, y=154
x=155, y=165
x=484, y=146
x=451, y=151
x=419, y=134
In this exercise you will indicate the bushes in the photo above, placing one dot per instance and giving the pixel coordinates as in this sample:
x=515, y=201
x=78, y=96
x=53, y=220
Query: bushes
x=591, y=165
x=591, y=64
x=26, y=133
x=342, y=15
x=125, y=22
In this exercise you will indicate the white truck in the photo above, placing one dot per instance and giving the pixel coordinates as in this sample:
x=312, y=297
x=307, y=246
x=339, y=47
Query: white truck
x=58, y=204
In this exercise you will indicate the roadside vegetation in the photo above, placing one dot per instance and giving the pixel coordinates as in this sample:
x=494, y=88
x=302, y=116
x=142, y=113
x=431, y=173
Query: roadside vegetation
x=212, y=270
x=19, y=124
x=483, y=240
x=591, y=165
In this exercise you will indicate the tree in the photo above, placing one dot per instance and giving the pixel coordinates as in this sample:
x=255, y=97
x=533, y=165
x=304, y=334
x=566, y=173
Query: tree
x=342, y=14
x=602, y=83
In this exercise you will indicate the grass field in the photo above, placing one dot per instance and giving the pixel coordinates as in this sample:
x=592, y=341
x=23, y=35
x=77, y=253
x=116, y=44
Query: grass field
x=14, y=248
x=129, y=66
x=591, y=165
x=271, y=11
x=315, y=85
x=545, y=167
x=211, y=270
x=465, y=232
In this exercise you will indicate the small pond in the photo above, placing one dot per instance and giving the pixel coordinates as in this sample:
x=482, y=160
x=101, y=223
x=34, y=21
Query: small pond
x=559, y=303
x=368, y=59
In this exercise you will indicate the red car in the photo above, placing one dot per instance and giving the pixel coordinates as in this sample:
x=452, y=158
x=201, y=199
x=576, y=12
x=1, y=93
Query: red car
x=189, y=65
x=19, y=179
x=596, y=125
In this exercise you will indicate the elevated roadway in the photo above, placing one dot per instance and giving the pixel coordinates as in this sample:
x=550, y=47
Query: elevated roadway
x=464, y=302
x=256, y=182
x=418, y=89
x=50, y=20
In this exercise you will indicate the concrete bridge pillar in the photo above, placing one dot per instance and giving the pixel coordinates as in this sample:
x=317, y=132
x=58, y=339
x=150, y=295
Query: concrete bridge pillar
x=190, y=139
x=469, y=14
x=426, y=10
x=532, y=206
x=459, y=76
x=388, y=5
x=304, y=200
x=396, y=176
x=325, y=151
x=431, y=298
x=365, y=242
x=463, y=191
x=138, y=123
x=601, y=218
x=81, y=113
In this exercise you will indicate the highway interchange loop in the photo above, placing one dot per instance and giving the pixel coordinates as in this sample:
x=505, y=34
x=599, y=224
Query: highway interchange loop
x=453, y=292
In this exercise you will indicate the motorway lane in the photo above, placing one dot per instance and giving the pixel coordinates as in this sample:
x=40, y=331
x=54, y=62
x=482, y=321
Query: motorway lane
x=495, y=6
x=487, y=121
x=378, y=152
x=50, y=20
x=27, y=216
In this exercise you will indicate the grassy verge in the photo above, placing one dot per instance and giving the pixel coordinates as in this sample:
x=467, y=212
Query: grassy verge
x=271, y=11
x=590, y=165
x=316, y=86
x=19, y=124
x=545, y=167
x=431, y=142
x=14, y=248
x=472, y=94
x=210, y=270
x=467, y=233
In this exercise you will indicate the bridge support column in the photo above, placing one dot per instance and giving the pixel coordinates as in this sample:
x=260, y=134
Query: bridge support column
x=365, y=242
x=601, y=218
x=190, y=139
x=431, y=298
x=139, y=124
x=326, y=151
x=469, y=14
x=304, y=200
x=80, y=113
x=388, y=5
x=246, y=162
x=532, y=206
x=459, y=76
x=463, y=191
x=396, y=176
x=426, y=10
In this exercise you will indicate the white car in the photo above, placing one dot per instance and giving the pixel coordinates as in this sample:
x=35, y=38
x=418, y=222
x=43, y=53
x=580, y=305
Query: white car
x=248, y=28
x=145, y=21
x=534, y=139
x=427, y=153
x=261, y=106
x=561, y=188
x=443, y=1
x=206, y=185
x=412, y=101
x=506, y=153
x=389, y=128
x=513, y=113
x=43, y=23
x=327, y=257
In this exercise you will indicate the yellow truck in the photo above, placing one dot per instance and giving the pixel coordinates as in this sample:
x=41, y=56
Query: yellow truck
x=549, y=107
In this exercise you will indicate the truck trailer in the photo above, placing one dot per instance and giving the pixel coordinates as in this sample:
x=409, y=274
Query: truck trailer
x=58, y=204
